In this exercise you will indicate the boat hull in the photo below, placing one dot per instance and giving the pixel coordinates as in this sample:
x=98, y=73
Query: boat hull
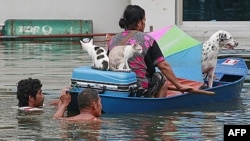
x=227, y=87
x=142, y=105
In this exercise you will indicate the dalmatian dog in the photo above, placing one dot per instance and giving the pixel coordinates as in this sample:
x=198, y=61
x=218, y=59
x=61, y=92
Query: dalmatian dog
x=211, y=48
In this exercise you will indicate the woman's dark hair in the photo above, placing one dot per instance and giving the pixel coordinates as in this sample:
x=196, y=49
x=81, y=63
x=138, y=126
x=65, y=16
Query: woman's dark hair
x=131, y=16
x=86, y=97
x=25, y=88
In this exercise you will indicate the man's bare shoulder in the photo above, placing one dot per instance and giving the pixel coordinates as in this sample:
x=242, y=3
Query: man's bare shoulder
x=28, y=108
x=80, y=118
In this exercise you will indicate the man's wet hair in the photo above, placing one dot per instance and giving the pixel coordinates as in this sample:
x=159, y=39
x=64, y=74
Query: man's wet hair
x=86, y=97
x=25, y=88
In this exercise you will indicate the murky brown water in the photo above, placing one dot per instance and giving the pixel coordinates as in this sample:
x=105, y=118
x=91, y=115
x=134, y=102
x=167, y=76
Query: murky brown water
x=53, y=62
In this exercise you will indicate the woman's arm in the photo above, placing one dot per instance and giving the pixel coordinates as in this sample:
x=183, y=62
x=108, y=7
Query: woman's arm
x=169, y=74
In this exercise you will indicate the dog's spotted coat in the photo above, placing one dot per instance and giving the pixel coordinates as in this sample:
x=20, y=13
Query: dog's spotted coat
x=211, y=48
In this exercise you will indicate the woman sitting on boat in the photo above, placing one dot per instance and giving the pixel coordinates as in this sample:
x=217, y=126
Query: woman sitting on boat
x=150, y=82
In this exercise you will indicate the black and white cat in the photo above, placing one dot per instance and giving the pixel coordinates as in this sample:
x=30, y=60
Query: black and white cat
x=100, y=59
x=119, y=55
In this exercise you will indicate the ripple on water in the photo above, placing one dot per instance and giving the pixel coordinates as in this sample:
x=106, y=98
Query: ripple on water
x=52, y=63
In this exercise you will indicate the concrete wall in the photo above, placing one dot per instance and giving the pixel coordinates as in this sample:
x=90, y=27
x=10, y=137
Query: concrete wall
x=159, y=13
x=104, y=13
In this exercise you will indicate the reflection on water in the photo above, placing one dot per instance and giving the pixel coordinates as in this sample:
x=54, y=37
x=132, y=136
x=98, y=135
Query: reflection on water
x=53, y=62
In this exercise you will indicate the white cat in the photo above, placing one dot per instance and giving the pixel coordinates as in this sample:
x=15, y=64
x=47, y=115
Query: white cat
x=99, y=55
x=119, y=55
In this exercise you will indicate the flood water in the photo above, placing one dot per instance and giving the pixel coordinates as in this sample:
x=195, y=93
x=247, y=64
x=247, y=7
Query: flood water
x=52, y=63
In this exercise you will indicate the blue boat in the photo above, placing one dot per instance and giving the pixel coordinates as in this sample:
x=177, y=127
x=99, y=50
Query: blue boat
x=116, y=88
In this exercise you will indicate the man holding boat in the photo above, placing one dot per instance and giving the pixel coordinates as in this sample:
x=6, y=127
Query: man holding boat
x=89, y=103
x=31, y=98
